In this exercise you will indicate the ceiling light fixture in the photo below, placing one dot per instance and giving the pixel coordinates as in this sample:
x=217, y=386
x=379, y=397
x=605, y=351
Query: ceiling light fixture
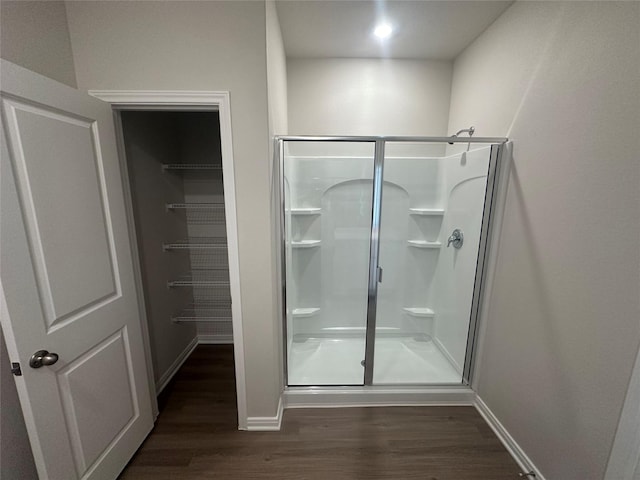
x=383, y=31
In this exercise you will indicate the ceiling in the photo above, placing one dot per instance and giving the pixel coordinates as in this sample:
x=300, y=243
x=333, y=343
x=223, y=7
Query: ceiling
x=423, y=29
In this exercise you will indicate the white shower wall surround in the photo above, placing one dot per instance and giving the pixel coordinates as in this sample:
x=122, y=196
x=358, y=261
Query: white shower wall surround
x=424, y=299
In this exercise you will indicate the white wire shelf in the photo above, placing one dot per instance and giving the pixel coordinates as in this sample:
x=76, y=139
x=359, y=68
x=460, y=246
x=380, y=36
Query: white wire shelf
x=197, y=243
x=195, y=206
x=424, y=244
x=204, y=312
x=202, y=278
x=424, y=312
x=190, y=166
x=434, y=212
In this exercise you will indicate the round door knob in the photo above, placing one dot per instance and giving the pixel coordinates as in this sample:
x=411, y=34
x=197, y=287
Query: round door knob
x=42, y=357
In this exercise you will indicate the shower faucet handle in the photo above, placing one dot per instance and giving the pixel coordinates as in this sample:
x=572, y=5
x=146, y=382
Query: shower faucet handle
x=456, y=238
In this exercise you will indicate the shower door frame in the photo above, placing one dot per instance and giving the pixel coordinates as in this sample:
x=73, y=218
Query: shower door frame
x=497, y=145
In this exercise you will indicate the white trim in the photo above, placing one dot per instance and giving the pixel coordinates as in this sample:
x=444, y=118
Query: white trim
x=624, y=461
x=215, y=339
x=339, y=397
x=521, y=458
x=166, y=377
x=220, y=102
x=266, y=424
x=155, y=98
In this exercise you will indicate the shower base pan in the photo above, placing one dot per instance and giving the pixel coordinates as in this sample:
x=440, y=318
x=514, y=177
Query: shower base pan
x=398, y=361
x=407, y=372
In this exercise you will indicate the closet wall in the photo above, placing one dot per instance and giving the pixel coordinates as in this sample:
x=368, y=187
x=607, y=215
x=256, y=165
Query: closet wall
x=175, y=174
x=203, y=192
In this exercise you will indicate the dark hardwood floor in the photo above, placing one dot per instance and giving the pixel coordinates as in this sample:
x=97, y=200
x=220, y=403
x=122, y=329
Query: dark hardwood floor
x=196, y=437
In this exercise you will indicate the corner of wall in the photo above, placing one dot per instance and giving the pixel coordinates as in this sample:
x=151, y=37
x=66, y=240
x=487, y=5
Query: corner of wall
x=35, y=35
x=267, y=424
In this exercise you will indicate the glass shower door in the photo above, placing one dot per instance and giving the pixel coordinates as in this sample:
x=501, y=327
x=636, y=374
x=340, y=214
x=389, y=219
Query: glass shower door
x=424, y=302
x=327, y=194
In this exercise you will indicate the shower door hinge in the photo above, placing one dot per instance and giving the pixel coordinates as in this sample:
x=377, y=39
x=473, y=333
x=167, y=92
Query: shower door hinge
x=379, y=274
x=15, y=369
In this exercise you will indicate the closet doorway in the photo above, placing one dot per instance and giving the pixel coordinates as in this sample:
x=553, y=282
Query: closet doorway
x=176, y=157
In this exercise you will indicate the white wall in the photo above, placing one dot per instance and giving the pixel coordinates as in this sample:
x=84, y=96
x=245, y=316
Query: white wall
x=276, y=72
x=35, y=36
x=278, y=125
x=368, y=96
x=561, y=80
x=202, y=46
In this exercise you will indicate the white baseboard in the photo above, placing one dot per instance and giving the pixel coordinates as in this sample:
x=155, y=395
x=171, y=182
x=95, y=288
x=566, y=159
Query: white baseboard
x=215, y=339
x=446, y=354
x=521, y=458
x=166, y=377
x=266, y=424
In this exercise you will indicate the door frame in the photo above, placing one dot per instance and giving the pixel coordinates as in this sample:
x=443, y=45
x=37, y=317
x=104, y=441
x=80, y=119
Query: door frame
x=219, y=101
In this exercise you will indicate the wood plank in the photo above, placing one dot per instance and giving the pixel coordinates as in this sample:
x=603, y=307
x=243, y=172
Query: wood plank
x=196, y=437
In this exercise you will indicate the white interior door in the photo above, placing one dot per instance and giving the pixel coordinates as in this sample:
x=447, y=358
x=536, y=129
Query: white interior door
x=67, y=277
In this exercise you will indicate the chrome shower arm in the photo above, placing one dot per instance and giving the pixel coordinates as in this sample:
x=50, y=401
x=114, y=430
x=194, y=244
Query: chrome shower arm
x=469, y=130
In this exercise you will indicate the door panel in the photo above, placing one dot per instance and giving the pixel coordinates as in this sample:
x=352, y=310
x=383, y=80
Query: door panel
x=67, y=278
x=65, y=219
x=424, y=303
x=328, y=190
x=87, y=384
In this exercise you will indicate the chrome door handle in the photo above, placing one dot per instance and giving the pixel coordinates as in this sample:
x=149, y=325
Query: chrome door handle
x=42, y=357
x=456, y=238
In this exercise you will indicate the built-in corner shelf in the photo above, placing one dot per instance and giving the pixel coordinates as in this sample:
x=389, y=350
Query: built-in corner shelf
x=304, y=312
x=183, y=167
x=306, y=211
x=434, y=212
x=419, y=312
x=424, y=244
x=305, y=243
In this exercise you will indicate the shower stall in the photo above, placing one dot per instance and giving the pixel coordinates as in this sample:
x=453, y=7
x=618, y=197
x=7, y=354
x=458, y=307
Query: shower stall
x=383, y=248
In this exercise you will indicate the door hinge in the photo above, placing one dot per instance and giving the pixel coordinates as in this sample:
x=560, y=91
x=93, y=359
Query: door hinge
x=15, y=369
